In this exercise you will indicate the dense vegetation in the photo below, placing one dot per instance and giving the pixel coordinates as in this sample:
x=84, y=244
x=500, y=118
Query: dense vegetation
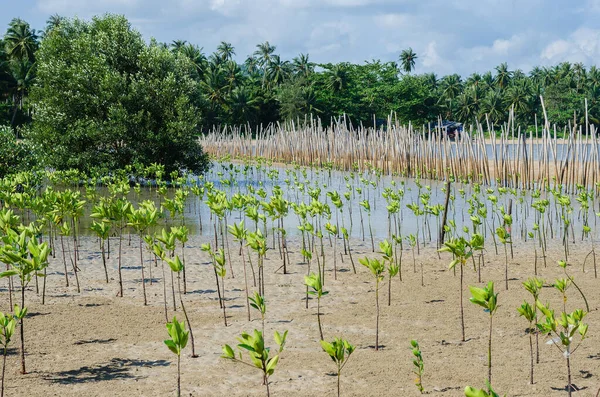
x=76, y=83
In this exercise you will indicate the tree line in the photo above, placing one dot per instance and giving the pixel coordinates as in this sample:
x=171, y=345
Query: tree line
x=76, y=82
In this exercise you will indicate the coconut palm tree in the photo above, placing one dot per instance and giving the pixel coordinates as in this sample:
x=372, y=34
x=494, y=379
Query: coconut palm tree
x=243, y=105
x=407, y=60
x=278, y=71
x=593, y=77
x=503, y=76
x=225, y=51
x=338, y=77
x=302, y=66
x=233, y=75
x=20, y=41
x=264, y=54
x=493, y=106
x=53, y=22
x=177, y=45
x=196, y=57
x=518, y=97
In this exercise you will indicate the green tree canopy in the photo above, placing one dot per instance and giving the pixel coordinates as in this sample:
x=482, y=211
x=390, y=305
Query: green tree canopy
x=105, y=98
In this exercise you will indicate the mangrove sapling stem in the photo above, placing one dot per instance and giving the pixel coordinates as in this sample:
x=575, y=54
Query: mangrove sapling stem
x=187, y=319
x=64, y=257
x=142, y=266
x=162, y=265
x=119, y=262
x=104, y=259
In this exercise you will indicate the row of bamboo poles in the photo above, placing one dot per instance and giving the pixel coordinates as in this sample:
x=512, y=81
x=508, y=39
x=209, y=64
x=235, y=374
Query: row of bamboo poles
x=513, y=159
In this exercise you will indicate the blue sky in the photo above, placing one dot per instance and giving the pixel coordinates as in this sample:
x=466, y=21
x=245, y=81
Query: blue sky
x=449, y=36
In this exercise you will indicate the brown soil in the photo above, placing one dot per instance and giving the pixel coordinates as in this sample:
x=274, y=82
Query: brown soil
x=97, y=344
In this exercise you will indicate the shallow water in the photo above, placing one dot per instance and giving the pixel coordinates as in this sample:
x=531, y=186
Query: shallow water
x=197, y=216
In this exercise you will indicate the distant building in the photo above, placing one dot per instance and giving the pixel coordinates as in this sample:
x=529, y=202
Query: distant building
x=450, y=129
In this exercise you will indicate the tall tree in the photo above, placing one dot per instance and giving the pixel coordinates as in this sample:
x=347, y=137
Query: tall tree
x=407, y=60
x=20, y=41
x=134, y=104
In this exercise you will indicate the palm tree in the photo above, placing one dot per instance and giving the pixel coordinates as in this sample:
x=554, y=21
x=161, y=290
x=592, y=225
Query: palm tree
x=196, y=57
x=536, y=75
x=20, y=41
x=278, y=71
x=431, y=81
x=251, y=65
x=473, y=80
x=23, y=76
x=593, y=77
x=407, y=60
x=302, y=66
x=493, y=106
x=518, y=97
x=225, y=51
x=177, y=45
x=243, y=106
x=503, y=76
x=264, y=53
x=451, y=87
x=215, y=86
x=338, y=77
x=467, y=106
x=487, y=80
x=53, y=22
x=233, y=75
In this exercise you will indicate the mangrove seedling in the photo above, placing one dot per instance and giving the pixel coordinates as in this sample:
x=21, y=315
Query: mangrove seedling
x=486, y=298
x=564, y=329
x=534, y=287
x=340, y=351
x=417, y=364
x=177, y=266
x=377, y=269
x=505, y=239
x=7, y=329
x=472, y=392
x=178, y=342
x=313, y=281
x=260, y=356
x=258, y=302
x=530, y=315
x=27, y=259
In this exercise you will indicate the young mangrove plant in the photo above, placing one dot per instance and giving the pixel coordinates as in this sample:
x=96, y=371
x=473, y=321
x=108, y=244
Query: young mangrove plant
x=530, y=315
x=418, y=367
x=240, y=233
x=377, y=269
x=260, y=356
x=505, y=239
x=313, y=280
x=102, y=230
x=27, y=259
x=7, y=329
x=564, y=330
x=393, y=268
x=462, y=250
x=177, y=266
x=486, y=298
x=534, y=287
x=258, y=303
x=178, y=342
x=340, y=351
x=472, y=392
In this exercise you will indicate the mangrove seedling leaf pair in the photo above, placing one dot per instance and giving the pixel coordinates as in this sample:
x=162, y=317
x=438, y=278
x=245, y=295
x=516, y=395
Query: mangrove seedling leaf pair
x=178, y=342
x=339, y=350
x=260, y=356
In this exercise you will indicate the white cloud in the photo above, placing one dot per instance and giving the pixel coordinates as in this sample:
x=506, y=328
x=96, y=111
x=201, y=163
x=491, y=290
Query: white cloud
x=449, y=36
x=583, y=45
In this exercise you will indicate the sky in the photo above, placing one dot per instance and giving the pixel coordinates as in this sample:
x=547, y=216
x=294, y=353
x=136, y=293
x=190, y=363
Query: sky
x=448, y=36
